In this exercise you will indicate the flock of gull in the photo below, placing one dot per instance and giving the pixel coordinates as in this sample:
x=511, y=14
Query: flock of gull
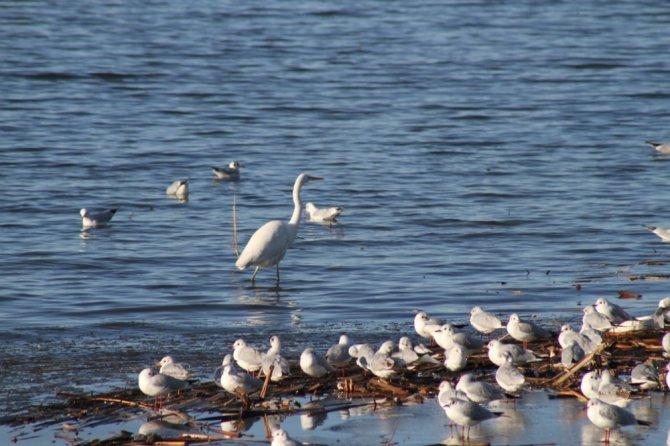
x=467, y=402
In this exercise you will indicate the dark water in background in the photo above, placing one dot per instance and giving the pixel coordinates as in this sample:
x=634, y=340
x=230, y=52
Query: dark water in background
x=485, y=153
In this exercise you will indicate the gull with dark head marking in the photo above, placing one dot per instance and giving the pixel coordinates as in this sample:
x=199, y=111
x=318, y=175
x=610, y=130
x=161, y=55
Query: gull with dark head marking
x=660, y=147
x=230, y=173
x=662, y=233
x=96, y=219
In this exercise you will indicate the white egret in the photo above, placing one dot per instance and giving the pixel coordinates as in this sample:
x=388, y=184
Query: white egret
x=231, y=172
x=269, y=243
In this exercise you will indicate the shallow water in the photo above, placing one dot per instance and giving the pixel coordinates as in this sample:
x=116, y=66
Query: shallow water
x=485, y=154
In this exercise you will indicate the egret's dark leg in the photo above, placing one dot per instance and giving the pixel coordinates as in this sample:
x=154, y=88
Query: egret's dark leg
x=277, y=273
x=253, y=278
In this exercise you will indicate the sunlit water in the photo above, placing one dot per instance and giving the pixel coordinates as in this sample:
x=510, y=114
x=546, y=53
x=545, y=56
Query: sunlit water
x=485, y=154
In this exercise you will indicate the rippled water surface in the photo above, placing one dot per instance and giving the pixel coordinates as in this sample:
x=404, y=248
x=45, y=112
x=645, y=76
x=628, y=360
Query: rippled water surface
x=485, y=153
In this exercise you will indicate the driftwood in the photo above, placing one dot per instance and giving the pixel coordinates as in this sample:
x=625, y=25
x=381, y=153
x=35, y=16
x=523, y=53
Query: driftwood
x=208, y=404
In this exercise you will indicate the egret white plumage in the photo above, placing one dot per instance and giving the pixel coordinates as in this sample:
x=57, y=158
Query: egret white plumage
x=231, y=172
x=322, y=214
x=94, y=219
x=268, y=245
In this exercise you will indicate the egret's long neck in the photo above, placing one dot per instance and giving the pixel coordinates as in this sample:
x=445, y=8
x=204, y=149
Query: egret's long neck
x=297, y=204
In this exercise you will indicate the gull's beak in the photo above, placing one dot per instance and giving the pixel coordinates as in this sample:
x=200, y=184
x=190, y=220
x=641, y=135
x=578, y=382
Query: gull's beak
x=312, y=178
x=157, y=363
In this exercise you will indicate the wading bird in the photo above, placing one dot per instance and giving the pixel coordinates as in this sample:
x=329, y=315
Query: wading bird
x=269, y=243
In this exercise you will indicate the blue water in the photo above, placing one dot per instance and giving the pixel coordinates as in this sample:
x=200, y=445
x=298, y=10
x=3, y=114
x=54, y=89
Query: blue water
x=485, y=153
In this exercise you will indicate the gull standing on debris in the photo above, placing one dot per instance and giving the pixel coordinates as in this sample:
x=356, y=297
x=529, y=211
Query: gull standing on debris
x=323, y=214
x=382, y=364
x=612, y=311
x=596, y=320
x=268, y=245
x=96, y=219
x=519, y=354
x=227, y=360
x=314, y=365
x=234, y=381
x=363, y=354
x=157, y=384
x=425, y=326
x=231, y=172
x=665, y=343
x=447, y=337
x=613, y=391
x=525, y=331
x=280, y=365
x=509, y=377
x=174, y=369
x=178, y=189
x=660, y=147
x=483, y=321
x=455, y=359
x=662, y=313
x=466, y=413
x=572, y=353
x=281, y=438
x=645, y=376
x=608, y=417
x=247, y=357
x=338, y=354
x=479, y=391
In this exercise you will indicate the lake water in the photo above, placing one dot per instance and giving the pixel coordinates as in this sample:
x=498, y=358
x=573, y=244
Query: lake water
x=485, y=153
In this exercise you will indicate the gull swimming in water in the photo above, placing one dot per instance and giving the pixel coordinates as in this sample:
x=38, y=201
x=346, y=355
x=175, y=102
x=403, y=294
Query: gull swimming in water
x=96, y=219
x=525, y=331
x=660, y=147
x=608, y=417
x=231, y=172
x=483, y=321
x=174, y=369
x=314, y=365
x=323, y=214
x=247, y=357
x=268, y=245
x=663, y=233
x=178, y=189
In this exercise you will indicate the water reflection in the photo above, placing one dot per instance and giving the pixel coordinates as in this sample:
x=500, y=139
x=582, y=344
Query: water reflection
x=167, y=427
x=592, y=435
